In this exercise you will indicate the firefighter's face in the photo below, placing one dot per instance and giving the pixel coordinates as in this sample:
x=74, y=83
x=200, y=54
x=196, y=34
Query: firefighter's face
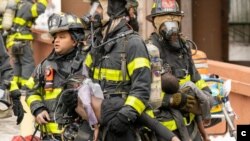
x=63, y=43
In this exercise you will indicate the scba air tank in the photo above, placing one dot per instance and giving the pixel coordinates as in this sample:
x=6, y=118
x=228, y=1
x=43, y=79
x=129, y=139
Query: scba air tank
x=156, y=66
x=3, y=4
x=9, y=14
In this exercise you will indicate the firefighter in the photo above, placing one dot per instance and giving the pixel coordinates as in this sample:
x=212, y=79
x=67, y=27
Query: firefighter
x=176, y=57
x=90, y=107
x=119, y=62
x=19, y=38
x=131, y=10
x=6, y=70
x=18, y=18
x=47, y=81
x=5, y=67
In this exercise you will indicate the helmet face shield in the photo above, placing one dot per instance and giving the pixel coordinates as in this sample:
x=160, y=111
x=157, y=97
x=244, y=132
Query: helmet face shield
x=57, y=23
x=54, y=21
x=169, y=28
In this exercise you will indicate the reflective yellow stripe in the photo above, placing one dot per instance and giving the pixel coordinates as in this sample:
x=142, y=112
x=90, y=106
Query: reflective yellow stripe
x=29, y=23
x=150, y=113
x=23, y=81
x=88, y=60
x=15, y=79
x=162, y=95
x=19, y=21
x=52, y=94
x=33, y=98
x=201, y=84
x=136, y=103
x=11, y=38
x=109, y=74
x=13, y=86
x=43, y=2
x=24, y=36
x=191, y=118
x=171, y=125
x=10, y=44
x=137, y=63
x=184, y=80
x=20, y=80
x=34, y=10
x=30, y=83
x=52, y=128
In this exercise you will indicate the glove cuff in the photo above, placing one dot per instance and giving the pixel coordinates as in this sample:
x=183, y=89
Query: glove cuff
x=39, y=110
x=15, y=94
x=128, y=112
x=166, y=101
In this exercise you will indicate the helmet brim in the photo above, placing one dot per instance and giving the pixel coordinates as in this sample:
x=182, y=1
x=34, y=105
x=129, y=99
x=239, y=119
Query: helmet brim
x=65, y=28
x=56, y=30
x=151, y=16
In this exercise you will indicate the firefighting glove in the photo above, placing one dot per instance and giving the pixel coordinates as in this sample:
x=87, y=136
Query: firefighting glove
x=17, y=105
x=123, y=120
x=182, y=100
x=194, y=105
x=69, y=98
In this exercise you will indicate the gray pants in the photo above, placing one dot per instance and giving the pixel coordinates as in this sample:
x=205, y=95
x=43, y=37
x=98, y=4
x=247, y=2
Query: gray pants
x=204, y=99
x=23, y=59
x=6, y=71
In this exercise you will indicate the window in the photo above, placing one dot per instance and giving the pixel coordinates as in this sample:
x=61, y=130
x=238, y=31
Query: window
x=239, y=30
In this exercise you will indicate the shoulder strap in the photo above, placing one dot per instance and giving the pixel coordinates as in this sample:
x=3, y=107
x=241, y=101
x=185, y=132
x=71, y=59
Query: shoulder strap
x=77, y=62
x=124, y=52
x=123, y=59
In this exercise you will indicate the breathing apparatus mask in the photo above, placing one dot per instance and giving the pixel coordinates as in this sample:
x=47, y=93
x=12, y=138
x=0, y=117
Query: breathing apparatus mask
x=97, y=15
x=169, y=31
x=169, y=28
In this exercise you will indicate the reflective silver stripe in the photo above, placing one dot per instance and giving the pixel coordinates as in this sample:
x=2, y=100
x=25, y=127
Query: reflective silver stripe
x=203, y=65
